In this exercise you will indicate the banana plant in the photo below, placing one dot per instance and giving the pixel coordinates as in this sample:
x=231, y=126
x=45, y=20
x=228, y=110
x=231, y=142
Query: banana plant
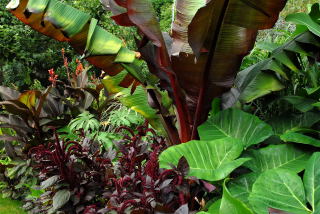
x=299, y=55
x=195, y=63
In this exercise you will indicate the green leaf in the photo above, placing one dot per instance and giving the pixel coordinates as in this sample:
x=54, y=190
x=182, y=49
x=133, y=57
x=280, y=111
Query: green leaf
x=268, y=46
x=264, y=83
x=281, y=62
x=247, y=128
x=281, y=124
x=280, y=189
x=60, y=198
x=208, y=160
x=65, y=23
x=138, y=101
x=49, y=182
x=241, y=187
x=295, y=137
x=311, y=179
x=277, y=156
x=300, y=103
x=306, y=20
x=231, y=205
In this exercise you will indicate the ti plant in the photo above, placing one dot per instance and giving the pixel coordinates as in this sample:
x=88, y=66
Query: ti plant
x=190, y=63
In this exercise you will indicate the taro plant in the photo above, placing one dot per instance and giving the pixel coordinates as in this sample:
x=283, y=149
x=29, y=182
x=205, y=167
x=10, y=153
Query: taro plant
x=189, y=62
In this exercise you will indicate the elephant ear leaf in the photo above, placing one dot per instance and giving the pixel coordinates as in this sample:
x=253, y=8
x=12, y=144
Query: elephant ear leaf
x=247, y=128
x=311, y=179
x=279, y=189
x=230, y=204
x=277, y=156
x=208, y=160
x=65, y=23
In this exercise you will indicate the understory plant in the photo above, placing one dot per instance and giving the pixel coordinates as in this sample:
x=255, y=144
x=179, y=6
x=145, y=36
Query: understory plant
x=78, y=177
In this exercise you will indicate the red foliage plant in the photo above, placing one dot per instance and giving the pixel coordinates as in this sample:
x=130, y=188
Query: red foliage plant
x=125, y=179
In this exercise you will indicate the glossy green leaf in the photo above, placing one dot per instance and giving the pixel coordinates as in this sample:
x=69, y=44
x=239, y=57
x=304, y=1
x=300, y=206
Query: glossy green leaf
x=295, y=137
x=306, y=20
x=138, y=101
x=311, y=179
x=280, y=64
x=264, y=83
x=247, y=128
x=241, y=187
x=280, y=189
x=277, y=156
x=230, y=204
x=65, y=23
x=208, y=160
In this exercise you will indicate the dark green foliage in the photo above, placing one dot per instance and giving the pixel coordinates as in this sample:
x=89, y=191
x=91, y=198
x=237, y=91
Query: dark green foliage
x=25, y=54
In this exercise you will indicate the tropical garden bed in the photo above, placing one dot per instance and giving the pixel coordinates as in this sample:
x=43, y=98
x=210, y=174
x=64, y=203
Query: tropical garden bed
x=182, y=106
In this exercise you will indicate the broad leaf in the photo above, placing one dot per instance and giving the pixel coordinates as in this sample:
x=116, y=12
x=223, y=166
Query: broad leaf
x=281, y=124
x=60, y=198
x=280, y=189
x=295, y=137
x=241, y=187
x=138, y=101
x=301, y=103
x=306, y=20
x=280, y=64
x=230, y=204
x=247, y=128
x=215, y=32
x=65, y=23
x=264, y=83
x=277, y=156
x=49, y=182
x=208, y=160
x=311, y=179
x=8, y=93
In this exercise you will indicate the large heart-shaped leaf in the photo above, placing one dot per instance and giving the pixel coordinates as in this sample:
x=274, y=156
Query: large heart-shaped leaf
x=280, y=189
x=311, y=179
x=230, y=204
x=247, y=128
x=208, y=160
x=241, y=187
x=277, y=156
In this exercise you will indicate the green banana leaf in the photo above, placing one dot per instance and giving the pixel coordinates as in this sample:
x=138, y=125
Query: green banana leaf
x=136, y=99
x=254, y=81
x=65, y=23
